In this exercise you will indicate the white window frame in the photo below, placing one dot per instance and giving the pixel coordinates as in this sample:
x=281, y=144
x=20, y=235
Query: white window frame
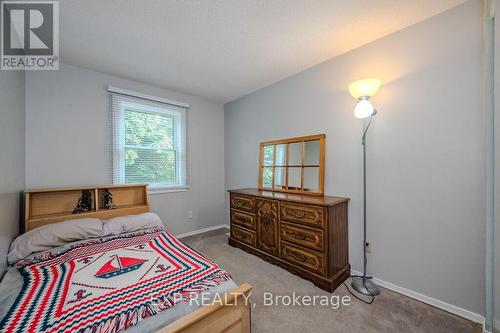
x=141, y=104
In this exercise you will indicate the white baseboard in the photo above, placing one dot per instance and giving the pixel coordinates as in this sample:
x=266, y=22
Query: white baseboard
x=496, y=325
x=200, y=231
x=477, y=318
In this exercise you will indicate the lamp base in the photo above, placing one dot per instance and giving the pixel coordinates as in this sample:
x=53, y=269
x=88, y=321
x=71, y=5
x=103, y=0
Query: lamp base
x=367, y=288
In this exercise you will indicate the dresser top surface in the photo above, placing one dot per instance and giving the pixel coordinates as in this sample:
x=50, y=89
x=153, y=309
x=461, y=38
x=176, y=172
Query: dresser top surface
x=299, y=198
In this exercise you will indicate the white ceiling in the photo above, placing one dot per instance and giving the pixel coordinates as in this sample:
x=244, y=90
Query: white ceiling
x=224, y=49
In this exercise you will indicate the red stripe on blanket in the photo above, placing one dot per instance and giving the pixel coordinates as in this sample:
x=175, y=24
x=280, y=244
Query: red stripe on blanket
x=107, y=287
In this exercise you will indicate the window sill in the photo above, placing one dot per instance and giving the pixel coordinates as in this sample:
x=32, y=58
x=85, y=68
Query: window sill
x=160, y=190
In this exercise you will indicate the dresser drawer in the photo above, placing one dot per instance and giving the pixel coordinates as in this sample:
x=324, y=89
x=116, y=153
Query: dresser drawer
x=309, y=259
x=304, y=214
x=243, y=202
x=242, y=235
x=243, y=219
x=311, y=238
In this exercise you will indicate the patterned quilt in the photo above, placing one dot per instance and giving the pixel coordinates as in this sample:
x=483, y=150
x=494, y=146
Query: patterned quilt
x=109, y=284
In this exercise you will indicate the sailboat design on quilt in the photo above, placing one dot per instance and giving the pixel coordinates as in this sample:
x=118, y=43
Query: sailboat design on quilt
x=119, y=265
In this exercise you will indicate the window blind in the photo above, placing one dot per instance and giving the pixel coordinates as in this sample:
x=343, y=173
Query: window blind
x=149, y=142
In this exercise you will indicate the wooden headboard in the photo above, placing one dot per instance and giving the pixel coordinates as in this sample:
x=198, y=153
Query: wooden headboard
x=45, y=206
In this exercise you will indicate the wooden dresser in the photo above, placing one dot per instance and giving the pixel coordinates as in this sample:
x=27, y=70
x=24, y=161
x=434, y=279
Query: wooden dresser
x=304, y=234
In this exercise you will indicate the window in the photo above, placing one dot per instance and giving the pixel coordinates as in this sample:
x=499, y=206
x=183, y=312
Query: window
x=149, y=142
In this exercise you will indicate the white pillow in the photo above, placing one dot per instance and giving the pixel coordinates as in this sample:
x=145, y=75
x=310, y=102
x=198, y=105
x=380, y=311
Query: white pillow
x=52, y=235
x=128, y=223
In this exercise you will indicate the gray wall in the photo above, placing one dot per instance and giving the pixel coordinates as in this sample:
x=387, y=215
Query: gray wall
x=12, y=157
x=496, y=308
x=68, y=135
x=425, y=150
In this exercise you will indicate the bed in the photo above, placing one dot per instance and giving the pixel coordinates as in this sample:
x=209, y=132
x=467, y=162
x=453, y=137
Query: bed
x=135, y=277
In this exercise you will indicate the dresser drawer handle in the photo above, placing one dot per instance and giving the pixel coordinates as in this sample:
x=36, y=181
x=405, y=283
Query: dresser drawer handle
x=239, y=202
x=266, y=219
x=298, y=256
x=243, y=219
x=298, y=214
x=298, y=235
x=244, y=236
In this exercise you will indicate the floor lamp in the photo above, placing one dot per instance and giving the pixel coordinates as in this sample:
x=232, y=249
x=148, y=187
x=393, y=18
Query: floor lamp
x=362, y=90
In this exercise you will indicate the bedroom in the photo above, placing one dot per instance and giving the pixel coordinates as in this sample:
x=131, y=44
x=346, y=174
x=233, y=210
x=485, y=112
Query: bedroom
x=228, y=93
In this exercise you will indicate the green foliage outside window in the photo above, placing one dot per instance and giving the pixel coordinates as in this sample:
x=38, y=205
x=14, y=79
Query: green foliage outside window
x=267, y=177
x=268, y=155
x=149, y=147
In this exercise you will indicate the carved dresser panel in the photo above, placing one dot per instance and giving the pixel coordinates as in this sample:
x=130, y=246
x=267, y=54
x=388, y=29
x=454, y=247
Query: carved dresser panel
x=267, y=226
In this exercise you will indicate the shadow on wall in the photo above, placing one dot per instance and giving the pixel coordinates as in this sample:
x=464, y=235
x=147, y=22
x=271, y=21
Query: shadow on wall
x=10, y=206
x=213, y=213
x=188, y=214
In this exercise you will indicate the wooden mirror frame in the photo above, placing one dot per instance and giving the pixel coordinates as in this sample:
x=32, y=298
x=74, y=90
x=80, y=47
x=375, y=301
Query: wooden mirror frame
x=303, y=140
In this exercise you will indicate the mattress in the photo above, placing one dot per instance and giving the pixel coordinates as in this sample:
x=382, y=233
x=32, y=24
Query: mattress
x=12, y=284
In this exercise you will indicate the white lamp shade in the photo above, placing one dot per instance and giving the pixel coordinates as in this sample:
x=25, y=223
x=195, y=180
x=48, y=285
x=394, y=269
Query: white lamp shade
x=363, y=109
x=364, y=88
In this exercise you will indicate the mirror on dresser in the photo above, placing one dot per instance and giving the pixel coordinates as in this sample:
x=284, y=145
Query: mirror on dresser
x=293, y=165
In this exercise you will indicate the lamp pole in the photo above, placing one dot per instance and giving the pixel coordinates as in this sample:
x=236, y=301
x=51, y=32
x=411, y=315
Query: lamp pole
x=363, y=143
x=363, y=284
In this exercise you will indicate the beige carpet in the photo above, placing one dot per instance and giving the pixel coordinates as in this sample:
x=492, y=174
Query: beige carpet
x=391, y=312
